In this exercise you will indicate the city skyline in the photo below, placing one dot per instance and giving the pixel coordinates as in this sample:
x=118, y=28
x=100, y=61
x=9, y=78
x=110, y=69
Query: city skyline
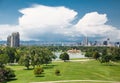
x=63, y=20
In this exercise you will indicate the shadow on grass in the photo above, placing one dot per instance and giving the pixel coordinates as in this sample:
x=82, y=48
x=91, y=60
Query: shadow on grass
x=59, y=75
x=109, y=64
x=49, y=66
x=12, y=79
x=40, y=76
x=28, y=69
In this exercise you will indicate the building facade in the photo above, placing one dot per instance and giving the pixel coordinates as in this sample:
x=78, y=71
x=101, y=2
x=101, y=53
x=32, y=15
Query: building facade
x=13, y=40
x=9, y=40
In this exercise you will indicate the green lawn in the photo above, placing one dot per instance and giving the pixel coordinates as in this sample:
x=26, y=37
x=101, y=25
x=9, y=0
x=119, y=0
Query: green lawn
x=89, y=70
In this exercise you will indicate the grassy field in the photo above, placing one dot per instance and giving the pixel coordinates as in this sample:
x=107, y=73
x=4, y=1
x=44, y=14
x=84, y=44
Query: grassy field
x=89, y=70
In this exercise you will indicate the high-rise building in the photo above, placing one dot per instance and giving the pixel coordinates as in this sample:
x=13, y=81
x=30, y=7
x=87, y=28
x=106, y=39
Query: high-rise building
x=86, y=41
x=9, y=40
x=13, y=40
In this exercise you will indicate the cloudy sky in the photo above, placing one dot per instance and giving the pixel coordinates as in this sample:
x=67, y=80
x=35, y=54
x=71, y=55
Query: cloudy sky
x=60, y=20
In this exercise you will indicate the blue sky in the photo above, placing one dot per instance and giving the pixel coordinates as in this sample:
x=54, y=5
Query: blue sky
x=10, y=12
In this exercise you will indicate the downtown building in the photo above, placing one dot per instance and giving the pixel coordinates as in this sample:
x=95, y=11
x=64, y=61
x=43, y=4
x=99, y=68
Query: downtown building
x=13, y=40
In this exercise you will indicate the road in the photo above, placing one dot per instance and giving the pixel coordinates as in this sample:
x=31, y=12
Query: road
x=79, y=81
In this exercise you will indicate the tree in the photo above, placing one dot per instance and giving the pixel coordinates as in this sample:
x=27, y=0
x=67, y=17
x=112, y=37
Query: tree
x=11, y=53
x=18, y=53
x=41, y=56
x=96, y=55
x=64, y=56
x=33, y=62
x=3, y=59
x=105, y=59
x=88, y=54
x=21, y=60
x=27, y=61
x=47, y=56
x=115, y=52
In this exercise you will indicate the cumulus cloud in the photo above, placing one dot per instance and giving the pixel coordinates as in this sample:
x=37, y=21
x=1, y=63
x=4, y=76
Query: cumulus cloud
x=40, y=22
x=94, y=25
x=44, y=16
x=45, y=19
x=7, y=30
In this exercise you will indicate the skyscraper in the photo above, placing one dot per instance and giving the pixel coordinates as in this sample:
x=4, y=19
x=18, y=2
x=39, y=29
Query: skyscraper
x=13, y=40
x=85, y=41
x=9, y=40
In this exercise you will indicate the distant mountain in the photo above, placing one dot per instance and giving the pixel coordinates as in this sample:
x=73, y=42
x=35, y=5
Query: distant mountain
x=2, y=42
x=42, y=43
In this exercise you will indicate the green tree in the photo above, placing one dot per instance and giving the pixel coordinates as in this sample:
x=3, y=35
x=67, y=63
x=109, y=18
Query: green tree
x=105, y=59
x=11, y=53
x=64, y=56
x=41, y=56
x=3, y=59
x=115, y=52
x=27, y=61
x=18, y=54
x=88, y=54
x=96, y=55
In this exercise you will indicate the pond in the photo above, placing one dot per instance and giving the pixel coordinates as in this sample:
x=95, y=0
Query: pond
x=71, y=55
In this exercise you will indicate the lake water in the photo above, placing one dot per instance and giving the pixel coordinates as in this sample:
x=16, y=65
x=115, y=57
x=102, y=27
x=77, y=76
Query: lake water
x=71, y=55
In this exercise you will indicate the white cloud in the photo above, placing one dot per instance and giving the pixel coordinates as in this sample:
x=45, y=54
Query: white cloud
x=40, y=19
x=44, y=16
x=94, y=25
x=44, y=22
x=93, y=18
x=7, y=30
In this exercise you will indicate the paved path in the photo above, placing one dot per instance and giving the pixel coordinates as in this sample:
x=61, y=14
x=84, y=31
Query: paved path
x=73, y=60
x=78, y=81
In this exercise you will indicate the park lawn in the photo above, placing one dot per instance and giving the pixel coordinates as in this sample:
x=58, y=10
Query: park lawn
x=89, y=70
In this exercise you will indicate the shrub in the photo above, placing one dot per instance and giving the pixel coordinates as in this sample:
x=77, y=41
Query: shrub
x=9, y=74
x=64, y=56
x=57, y=72
x=6, y=74
x=2, y=77
x=38, y=71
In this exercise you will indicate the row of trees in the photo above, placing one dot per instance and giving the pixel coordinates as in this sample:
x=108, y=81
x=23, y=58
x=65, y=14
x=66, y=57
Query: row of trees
x=15, y=55
x=27, y=56
x=105, y=55
x=37, y=57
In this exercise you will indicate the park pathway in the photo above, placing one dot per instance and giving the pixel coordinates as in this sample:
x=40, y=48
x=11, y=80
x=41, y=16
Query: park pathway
x=82, y=60
x=63, y=81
